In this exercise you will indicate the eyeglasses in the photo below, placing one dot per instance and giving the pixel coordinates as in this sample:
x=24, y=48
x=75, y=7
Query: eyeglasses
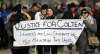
x=84, y=12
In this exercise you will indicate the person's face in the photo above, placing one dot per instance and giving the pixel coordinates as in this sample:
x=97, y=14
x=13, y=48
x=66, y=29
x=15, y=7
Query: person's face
x=73, y=9
x=97, y=8
x=44, y=12
x=85, y=14
x=49, y=12
x=35, y=8
x=4, y=6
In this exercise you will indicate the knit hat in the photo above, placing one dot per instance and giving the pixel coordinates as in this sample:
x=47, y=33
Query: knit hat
x=88, y=9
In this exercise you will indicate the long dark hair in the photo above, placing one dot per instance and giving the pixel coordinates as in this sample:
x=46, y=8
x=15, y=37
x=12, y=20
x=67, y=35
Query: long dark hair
x=52, y=10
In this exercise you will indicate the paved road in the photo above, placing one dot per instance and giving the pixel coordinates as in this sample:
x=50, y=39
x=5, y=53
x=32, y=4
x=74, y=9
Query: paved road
x=60, y=51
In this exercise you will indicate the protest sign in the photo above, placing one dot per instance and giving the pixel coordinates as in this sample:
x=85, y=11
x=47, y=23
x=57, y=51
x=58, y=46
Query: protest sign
x=47, y=32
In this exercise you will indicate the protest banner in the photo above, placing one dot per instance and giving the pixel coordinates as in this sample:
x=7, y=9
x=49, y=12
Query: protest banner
x=47, y=32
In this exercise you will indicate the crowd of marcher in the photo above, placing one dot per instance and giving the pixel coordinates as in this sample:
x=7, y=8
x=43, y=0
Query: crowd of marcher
x=10, y=15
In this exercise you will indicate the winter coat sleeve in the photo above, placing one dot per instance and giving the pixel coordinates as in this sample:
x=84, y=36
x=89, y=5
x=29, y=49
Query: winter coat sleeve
x=91, y=27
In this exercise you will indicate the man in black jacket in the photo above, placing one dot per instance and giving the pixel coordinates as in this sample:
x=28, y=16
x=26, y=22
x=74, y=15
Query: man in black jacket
x=16, y=17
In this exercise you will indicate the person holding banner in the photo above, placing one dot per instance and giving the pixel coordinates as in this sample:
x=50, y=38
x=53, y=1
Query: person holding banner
x=46, y=13
x=91, y=28
x=15, y=17
x=51, y=15
x=39, y=16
